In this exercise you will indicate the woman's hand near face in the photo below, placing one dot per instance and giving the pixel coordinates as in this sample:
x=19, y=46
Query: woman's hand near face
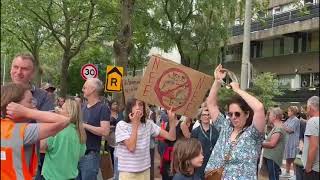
x=135, y=117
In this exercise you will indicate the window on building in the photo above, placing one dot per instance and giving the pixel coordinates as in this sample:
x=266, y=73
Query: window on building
x=309, y=1
x=288, y=45
x=278, y=46
x=267, y=48
x=302, y=42
x=309, y=80
x=315, y=80
x=305, y=80
x=285, y=81
x=255, y=49
x=314, y=36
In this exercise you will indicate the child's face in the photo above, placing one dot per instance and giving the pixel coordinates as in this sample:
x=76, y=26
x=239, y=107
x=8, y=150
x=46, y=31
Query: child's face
x=197, y=161
x=138, y=106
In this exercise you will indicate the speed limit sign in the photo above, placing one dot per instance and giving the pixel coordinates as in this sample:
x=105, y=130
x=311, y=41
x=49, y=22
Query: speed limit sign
x=89, y=71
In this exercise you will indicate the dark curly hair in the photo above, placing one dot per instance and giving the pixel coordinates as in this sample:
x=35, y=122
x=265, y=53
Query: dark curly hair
x=130, y=103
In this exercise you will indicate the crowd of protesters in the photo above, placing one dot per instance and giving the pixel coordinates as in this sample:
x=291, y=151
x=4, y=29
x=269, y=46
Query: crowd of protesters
x=44, y=139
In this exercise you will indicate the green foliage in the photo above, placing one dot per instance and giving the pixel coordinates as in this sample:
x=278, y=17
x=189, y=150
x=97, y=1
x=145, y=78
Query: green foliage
x=266, y=87
x=142, y=36
x=224, y=96
x=195, y=28
x=94, y=53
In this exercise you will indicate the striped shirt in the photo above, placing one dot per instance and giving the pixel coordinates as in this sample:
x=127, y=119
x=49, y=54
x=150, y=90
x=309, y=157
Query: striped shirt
x=139, y=160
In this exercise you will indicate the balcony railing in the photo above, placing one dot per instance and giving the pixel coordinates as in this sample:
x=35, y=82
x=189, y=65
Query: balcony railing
x=280, y=19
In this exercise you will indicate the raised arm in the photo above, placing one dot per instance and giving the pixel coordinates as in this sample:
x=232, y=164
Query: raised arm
x=185, y=130
x=258, y=109
x=135, y=121
x=171, y=135
x=49, y=123
x=212, y=100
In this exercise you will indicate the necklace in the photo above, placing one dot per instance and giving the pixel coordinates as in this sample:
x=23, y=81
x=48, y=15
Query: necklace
x=205, y=135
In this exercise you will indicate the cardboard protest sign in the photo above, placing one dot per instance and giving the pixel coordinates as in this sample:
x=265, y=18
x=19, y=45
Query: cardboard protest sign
x=168, y=84
x=130, y=86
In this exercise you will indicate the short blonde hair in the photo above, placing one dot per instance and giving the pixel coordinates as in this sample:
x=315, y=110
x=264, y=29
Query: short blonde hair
x=293, y=109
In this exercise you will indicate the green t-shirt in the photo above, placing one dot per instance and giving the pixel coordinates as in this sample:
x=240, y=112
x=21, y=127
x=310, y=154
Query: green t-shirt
x=63, y=154
x=276, y=153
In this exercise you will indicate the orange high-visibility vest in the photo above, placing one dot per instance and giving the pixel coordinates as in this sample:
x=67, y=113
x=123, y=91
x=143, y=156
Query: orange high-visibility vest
x=17, y=161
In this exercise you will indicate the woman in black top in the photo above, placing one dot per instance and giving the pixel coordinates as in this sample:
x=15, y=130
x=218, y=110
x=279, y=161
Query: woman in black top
x=207, y=134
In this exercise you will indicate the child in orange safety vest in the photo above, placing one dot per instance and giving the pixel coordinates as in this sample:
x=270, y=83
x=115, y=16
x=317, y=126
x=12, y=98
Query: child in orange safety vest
x=18, y=137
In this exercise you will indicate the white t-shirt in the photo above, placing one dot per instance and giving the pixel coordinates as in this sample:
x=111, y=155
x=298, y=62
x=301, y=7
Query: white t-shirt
x=312, y=129
x=139, y=160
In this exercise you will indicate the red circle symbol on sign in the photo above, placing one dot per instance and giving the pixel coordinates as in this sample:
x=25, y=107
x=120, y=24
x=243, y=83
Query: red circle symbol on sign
x=89, y=71
x=173, y=89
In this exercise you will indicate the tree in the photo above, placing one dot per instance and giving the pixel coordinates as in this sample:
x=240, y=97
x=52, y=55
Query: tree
x=266, y=87
x=123, y=42
x=27, y=31
x=210, y=29
x=195, y=28
x=94, y=53
x=142, y=37
x=172, y=20
x=71, y=23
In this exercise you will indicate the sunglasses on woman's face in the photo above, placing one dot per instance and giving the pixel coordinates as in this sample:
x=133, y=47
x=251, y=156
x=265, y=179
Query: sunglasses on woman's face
x=236, y=114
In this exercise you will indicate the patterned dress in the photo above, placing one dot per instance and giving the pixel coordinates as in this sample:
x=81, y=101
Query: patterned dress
x=292, y=146
x=244, y=155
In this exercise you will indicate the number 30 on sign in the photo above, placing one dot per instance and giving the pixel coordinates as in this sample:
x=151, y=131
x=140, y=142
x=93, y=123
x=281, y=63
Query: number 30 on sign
x=89, y=71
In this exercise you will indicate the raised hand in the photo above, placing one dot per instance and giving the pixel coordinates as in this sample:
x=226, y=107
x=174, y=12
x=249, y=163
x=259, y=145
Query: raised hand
x=135, y=117
x=235, y=85
x=171, y=115
x=16, y=111
x=219, y=73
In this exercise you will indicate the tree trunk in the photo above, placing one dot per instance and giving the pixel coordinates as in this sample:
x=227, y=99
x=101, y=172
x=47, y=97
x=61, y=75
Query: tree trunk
x=123, y=44
x=185, y=60
x=198, y=61
x=134, y=70
x=38, y=71
x=64, y=74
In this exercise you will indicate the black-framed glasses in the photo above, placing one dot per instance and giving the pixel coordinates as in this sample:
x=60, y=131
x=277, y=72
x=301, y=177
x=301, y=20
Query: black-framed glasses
x=236, y=114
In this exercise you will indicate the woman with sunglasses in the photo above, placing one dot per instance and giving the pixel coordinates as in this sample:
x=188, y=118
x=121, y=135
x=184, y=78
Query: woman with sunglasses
x=240, y=135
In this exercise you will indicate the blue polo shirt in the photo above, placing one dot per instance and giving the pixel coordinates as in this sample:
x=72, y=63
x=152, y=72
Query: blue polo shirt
x=93, y=116
x=43, y=101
